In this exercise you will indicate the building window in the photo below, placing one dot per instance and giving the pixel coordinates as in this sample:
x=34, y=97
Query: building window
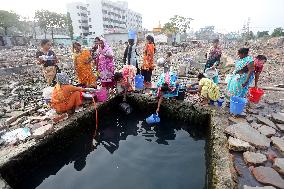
x=80, y=27
x=79, y=21
x=94, y=32
x=90, y=20
x=77, y=7
x=89, y=12
x=90, y=26
x=78, y=14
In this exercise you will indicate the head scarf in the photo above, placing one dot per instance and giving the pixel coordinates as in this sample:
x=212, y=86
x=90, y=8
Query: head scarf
x=62, y=78
x=107, y=49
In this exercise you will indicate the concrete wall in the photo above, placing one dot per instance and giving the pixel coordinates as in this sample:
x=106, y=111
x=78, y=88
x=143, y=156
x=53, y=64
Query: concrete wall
x=116, y=37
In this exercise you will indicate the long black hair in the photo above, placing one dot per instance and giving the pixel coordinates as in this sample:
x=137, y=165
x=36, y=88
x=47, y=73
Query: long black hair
x=243, y=51
x=152, y=40
x=44, y=41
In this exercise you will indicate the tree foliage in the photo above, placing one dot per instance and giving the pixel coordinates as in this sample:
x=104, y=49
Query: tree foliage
x=8, y=20
x=277, y=32
x=260, y=34
x=177, y=24
x=69, y=25
x=50, y=20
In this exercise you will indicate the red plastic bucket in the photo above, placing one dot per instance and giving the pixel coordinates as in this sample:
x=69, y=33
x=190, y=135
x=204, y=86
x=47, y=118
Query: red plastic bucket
x=255, y=94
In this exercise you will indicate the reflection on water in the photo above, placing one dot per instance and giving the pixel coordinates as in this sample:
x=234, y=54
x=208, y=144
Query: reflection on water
x=127, y=153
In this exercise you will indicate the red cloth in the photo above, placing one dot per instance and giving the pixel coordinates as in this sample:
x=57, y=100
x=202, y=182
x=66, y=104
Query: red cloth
x=258, y=65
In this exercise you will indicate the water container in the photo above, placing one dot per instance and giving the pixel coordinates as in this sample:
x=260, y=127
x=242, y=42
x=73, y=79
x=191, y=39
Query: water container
x=220, y=102
x=212, y=102
x=125, y=108
x=154, y=118
x=237, y=105
x=139, y=82
x=102, y=95
x=255, y=95
x=131, y=34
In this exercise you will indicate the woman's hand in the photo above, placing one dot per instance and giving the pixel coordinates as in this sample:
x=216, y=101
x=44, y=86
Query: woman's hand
x=157, y=111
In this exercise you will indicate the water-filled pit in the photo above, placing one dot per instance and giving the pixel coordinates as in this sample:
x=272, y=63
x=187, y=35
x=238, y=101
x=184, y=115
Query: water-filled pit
x=123, y=153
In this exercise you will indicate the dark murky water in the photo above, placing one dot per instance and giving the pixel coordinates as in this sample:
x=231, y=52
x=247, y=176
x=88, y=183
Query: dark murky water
x=127, y=154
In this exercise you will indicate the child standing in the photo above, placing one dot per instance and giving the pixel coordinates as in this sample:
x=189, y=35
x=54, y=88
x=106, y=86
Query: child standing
x=168, y=62
x=259, y=62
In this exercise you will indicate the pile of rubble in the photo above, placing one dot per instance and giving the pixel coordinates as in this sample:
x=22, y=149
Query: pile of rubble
x=17, y=56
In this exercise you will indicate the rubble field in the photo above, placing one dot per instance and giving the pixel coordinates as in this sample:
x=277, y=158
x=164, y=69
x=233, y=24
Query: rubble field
x=255, y=140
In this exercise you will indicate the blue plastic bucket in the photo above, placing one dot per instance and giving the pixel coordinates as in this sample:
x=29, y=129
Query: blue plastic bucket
x=237, y=105
x=139, y=82
x=154, y=118
x=220, y=102
x=131, y=34
x=212, y=102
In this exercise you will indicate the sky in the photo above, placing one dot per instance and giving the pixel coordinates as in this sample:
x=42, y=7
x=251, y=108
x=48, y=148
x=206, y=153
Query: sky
x=225, y=15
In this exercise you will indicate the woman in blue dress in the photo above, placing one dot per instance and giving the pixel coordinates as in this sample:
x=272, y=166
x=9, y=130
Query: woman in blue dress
x=243, y=74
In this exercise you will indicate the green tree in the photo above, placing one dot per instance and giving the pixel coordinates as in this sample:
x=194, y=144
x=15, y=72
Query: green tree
x=277, y=32
x=50, y=20
x=260, y=34
x=69, y=25
x=8, y=20
x=177, y=24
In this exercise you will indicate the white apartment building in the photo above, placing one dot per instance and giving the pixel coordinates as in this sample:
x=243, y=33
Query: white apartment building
x=79, y=16
x=105, y=17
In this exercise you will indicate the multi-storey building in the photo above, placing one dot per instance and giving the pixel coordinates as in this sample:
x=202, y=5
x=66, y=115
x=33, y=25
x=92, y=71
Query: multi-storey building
x=105, y=16
x=79, y=16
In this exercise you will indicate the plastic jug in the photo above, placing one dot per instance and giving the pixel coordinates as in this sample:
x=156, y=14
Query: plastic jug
x=131, y=34
x=220, y=102
x=154, y=118
x=102, y=95
x=255, y=95
x=237, y=105
x=139, y=82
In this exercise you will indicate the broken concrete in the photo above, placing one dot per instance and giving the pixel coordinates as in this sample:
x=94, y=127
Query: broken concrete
x=259, y=187
x=280, y=127
x=278, y=143
x=267, y=131
x=278, y=165
x=278, y=117
x=248, y=134
x=238, y=145
x=253, y=158
x=265, y=121
x=268, y=176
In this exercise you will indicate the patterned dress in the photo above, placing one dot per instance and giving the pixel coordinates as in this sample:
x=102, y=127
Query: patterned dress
x=84, y=68
x=209, y=89
x=106, y=65
x=235, y=83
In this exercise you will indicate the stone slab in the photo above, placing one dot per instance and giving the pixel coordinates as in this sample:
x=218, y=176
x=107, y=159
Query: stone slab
x=258, y=187
x=278, y=143
x=247, y=133
x=278, y=165
x=267, y=131
x=238, y=145
x=280, y=127
x=268, y=176
x=252, y=158
x=278, y=117
x=265, y=121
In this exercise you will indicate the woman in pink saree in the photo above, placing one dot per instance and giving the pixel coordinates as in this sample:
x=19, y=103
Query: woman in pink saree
x=105, y=62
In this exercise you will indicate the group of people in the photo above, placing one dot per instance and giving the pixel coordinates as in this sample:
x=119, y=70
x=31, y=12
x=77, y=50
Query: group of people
x=66, y=97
